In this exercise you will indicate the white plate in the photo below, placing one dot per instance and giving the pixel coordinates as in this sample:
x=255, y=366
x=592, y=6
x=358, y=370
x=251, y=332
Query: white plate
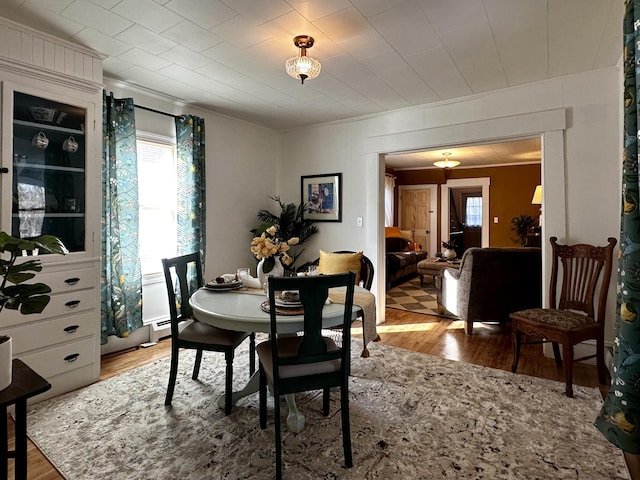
x=223, y=286
x=280, y=303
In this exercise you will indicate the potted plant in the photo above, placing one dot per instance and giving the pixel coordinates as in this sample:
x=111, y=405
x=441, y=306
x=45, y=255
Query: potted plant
x=522, y=225
x=15, y=294
x=281, y=228
x=449, y=249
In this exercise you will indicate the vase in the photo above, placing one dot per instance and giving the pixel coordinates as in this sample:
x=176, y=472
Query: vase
x=6, y=362
x=276, y=271
x=449, y=253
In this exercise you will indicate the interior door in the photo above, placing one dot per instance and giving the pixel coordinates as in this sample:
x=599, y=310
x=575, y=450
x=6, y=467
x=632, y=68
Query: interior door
x=415, y=214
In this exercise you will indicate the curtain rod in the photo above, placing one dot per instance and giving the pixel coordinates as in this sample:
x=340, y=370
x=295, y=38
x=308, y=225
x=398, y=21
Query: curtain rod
x=158, y=111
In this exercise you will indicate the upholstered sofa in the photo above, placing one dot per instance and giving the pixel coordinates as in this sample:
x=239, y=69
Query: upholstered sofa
x=491, y=283
x=401, y=259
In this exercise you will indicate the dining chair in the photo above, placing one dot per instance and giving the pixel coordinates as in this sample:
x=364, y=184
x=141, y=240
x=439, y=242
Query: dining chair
x=308, y=361
x=573, y=316
x=183, y=276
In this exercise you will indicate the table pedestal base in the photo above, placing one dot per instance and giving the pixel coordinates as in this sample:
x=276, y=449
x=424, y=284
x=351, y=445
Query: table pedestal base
x=295, y=418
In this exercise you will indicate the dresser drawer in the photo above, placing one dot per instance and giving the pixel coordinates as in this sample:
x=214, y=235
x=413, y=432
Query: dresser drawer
x=62, y=359
x=61, y=282
x=61, y=304
x=39, y=335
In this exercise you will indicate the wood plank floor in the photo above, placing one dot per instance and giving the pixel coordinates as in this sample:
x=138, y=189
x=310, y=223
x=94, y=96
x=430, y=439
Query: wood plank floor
x=490, y=346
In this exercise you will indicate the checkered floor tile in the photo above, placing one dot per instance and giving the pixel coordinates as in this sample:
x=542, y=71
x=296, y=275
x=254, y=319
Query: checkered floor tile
x=410, y=296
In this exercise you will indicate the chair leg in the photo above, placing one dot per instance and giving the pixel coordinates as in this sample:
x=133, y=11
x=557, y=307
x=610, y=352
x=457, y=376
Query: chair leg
x=468, y=327
x=567, y=350
x=262, y=396
x=515, y=335
x=196, y=365
x=278, y=435
x=346, y=426
x=173, y=374
x=228, y=382
x=326, y=393
x=252, y=353
x=556, y=354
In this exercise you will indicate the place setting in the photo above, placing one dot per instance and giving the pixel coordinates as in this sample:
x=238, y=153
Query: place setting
x=287, y=303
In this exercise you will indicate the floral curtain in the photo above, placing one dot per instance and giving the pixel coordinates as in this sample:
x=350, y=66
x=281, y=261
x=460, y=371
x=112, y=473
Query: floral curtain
x=191, y=185
x=619, y=418
x=120, y=278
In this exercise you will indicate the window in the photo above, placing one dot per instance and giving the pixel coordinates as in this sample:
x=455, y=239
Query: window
x=473, y=211
x=157, y=197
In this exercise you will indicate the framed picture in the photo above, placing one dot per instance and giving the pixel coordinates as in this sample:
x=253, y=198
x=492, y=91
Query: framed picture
x=321, y=196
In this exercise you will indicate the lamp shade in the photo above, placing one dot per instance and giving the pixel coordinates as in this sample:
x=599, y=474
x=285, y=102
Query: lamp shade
x=446, y=163
x=537, y=196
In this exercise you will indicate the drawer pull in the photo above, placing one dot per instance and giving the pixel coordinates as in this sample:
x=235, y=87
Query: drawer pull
x=72, y=281
x=71, y=328
x=73, y=303
x=72, y=358
x=4, y=170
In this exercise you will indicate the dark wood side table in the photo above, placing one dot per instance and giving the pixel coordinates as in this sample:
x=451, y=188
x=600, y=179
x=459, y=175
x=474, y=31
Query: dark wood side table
x=26, y=384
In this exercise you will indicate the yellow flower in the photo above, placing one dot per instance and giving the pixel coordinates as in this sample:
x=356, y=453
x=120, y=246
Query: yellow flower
x=271, y=230
x=293, y=241
x=286, y=259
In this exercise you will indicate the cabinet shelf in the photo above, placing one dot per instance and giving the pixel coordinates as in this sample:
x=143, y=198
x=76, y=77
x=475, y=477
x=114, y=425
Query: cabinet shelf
x=48, y=167
x=44, y=126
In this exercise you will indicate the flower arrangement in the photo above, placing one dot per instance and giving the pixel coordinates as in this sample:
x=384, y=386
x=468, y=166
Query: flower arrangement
x=275, y=227
x=268, y=246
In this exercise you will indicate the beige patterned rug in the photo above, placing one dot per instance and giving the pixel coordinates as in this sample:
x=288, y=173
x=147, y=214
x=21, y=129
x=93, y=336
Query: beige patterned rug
x=413, y=416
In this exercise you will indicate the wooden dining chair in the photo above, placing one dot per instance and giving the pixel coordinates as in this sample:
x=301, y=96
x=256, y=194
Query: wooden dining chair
x=573, y=317
x=308, y=361
x=183, y=276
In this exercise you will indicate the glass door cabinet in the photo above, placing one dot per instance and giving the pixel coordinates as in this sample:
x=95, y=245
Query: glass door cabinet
x=49, y=169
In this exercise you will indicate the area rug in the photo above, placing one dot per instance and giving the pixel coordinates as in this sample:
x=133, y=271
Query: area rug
x=413, y=416
x=410, y=296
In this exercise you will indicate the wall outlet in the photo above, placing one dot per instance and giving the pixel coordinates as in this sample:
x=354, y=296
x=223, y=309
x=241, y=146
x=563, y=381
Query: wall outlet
x=358, y=221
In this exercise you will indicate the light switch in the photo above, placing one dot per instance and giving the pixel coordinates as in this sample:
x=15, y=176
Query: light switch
x=358, y=221
x=495, y=219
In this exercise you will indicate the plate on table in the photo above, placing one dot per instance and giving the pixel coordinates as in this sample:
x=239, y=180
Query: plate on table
x=223, y=287
x=289, y=299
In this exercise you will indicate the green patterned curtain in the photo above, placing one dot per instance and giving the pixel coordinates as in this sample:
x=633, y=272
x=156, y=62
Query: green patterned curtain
x=619, y=419
x=120, y=276
x=191, y=185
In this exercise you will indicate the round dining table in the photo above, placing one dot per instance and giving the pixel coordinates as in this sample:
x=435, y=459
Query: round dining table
x=241, y=310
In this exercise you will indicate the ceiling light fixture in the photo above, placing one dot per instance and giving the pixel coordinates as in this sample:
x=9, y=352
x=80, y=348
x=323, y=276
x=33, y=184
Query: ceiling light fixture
x=303, y=67
x=446, y=163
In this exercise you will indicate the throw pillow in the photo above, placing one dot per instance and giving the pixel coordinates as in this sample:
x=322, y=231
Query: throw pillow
x=407, y=235
x=331, y=263
x=392, y=232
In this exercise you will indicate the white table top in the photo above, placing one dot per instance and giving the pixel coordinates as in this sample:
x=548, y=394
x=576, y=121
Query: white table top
x=237, y=311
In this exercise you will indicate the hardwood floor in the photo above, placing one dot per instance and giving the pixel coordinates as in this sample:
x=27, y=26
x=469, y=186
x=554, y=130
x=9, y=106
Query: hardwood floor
x=490, y=346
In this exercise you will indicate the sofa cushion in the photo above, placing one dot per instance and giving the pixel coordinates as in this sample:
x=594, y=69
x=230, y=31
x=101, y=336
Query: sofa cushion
x=396, y=244
x=331, y=263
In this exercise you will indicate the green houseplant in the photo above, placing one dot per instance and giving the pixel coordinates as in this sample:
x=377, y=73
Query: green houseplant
x=289, y=224
x=15, y=294
x=522, y=225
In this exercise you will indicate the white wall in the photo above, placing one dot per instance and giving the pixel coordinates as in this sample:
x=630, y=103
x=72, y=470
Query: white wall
x=581, y=167
x=241, y=171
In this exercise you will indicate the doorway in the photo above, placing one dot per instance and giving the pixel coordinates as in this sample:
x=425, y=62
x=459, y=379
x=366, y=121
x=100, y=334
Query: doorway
x=480, y=184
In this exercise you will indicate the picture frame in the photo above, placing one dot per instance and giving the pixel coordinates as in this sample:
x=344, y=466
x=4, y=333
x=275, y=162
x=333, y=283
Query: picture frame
x=321, y=196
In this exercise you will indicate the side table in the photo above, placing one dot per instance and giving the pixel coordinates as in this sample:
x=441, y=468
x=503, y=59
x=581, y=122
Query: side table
x=26, y=384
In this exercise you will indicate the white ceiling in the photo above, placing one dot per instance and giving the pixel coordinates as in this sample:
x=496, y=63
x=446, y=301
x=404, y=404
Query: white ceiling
x=512, y=152
x=376, y=55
